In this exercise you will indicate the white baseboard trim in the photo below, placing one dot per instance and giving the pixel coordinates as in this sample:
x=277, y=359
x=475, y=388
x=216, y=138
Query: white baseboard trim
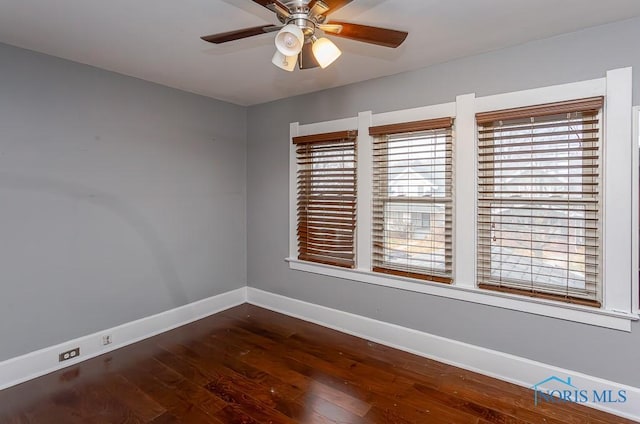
x=35, y=364
x=514, y=369
x=521, y=371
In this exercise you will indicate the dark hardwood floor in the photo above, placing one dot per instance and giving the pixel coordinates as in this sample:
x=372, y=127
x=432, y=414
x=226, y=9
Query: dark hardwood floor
x=250, y=365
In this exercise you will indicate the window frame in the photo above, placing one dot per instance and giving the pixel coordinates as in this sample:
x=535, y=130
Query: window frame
x=618, y=309
x=635, y=212
x=298, y=131
x=313, y=220
x=590, y=194
x=446, y=126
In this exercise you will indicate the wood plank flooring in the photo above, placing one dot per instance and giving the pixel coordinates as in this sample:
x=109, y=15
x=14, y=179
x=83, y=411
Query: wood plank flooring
x=249, y=365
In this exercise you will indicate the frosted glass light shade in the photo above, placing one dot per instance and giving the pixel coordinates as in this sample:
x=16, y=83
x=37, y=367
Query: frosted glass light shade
x=289, y=40
x=325, y=52
x=288, y=63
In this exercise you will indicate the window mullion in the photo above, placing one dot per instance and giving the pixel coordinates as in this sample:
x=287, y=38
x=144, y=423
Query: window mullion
x=365, y=192
x=464, y=193
x=618, y=153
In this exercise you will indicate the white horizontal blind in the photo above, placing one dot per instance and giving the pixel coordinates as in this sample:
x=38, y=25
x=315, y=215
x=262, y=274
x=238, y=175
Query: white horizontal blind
x=539, y=201
x=326, y=198
x=412, y=200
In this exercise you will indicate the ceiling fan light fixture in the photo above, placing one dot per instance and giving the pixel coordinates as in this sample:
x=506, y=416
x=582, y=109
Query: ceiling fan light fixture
x=289, y=40
x=287, y=63
x=295, y=39
x=325, y=51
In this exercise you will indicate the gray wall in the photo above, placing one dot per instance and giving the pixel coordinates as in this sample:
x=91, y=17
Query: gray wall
x=119, y=199
x=584, y=55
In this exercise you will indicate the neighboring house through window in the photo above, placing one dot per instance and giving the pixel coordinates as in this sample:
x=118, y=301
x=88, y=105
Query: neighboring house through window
x=539, y=200
x=412, y=199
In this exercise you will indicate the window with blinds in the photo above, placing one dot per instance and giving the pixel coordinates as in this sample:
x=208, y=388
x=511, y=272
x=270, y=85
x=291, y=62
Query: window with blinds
x=412, y=199
x=326, y=197
x=539, y=201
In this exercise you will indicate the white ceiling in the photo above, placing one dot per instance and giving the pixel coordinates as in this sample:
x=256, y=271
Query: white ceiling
x=158, y=40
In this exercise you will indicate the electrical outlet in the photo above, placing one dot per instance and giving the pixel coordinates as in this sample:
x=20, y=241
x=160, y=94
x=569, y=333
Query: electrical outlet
x=69, y=354
x=106, y=339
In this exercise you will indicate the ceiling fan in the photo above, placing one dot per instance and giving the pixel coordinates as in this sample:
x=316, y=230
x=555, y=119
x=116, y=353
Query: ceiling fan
x=296, y=41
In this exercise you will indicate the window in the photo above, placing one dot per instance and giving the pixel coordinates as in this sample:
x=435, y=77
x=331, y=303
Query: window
x=539, y=201
x=534, y=210
x=412, y=199
x=326, y=197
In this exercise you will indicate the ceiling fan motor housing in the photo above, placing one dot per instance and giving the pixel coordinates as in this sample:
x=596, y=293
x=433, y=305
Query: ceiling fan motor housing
x=302, y=16
x=300, y=21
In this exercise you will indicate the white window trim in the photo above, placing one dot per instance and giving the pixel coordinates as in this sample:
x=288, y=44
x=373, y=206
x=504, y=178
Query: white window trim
x=617, y=223
x=548, y=308
x=296, y=130
x=635, y=213
x=620, y=271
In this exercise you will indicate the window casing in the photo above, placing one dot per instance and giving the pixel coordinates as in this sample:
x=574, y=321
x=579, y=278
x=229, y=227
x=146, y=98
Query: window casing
x=617, y=310
x=539, y=202
x=413, y=200
x=326, y=198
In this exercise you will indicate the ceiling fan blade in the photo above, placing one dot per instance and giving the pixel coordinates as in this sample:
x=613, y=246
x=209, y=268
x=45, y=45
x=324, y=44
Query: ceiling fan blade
x=330, y=28
x=367, y=34
x=239, y=34
x=306, y=58
x=275, y=6
x=317, y=7
x=334, y=5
